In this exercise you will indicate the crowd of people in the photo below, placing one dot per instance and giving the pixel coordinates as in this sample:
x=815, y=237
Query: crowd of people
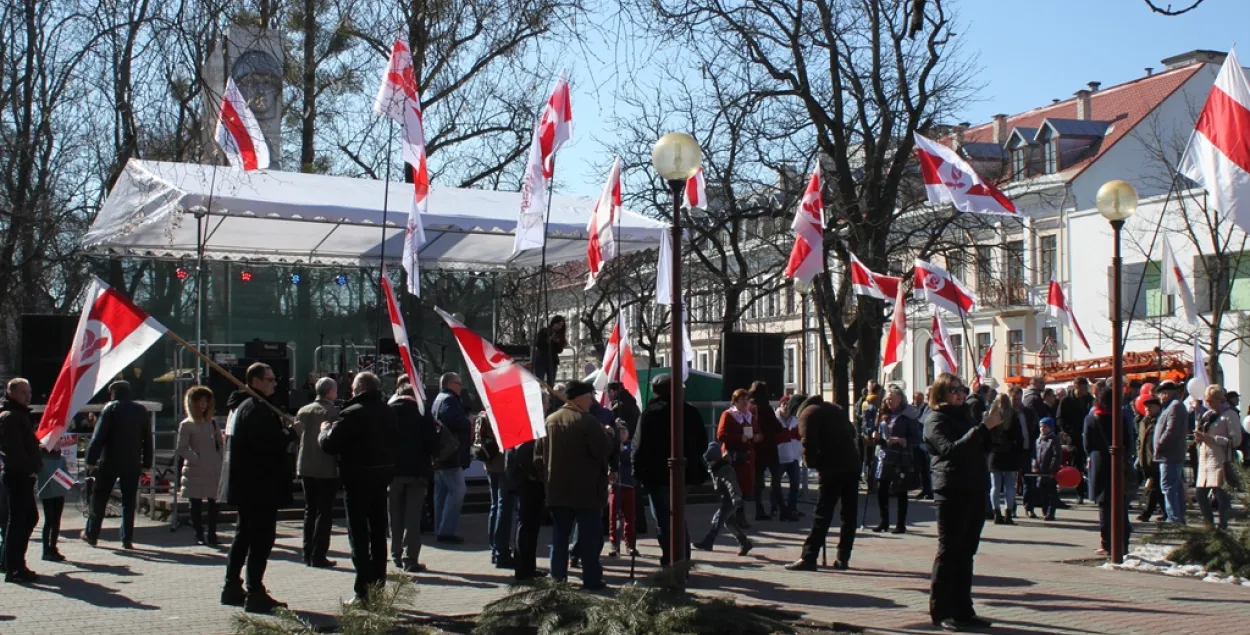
x=600, y=464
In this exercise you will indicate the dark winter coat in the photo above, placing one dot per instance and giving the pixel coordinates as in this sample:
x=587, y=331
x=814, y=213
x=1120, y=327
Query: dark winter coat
x=1049, y=456
x=958, y=448
x=573, y=459
x=830, y=441
x=1007, y=444
x=770, y=428
x=1145, y=439
x=415, y=438
x=626, y=409
x=1098, y=447
x=449, y=411
x=1171, y=432
x=1071, y=417
x=254, y=469
x=652, y=445
x=17, y=439
x=122, y=443
x=364, y=439
x=1032, y=400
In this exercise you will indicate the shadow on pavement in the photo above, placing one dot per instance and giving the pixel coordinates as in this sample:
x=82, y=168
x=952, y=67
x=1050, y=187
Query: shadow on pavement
x=94, y=594
x=786, y=596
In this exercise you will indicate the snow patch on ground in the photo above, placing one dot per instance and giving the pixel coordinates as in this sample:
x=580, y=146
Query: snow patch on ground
x=1154, y=559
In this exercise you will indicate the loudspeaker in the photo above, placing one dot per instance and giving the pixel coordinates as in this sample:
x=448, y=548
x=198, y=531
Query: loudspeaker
x=388, y=346
x=263, y=351
x=751, y=357
x=45, y=341
x=222, y=387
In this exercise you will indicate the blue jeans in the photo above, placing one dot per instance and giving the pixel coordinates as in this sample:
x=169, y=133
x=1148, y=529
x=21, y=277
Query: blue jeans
x=589, y=526
x=1006, y=482
x=448, y=497
x=660, y=513
x=499, y=526
x=1172, y=482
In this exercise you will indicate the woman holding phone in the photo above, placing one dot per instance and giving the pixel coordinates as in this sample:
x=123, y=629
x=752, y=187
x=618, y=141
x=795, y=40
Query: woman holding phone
x=959, y=447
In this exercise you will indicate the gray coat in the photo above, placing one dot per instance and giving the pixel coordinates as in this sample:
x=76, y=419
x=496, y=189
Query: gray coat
x=199, y=445
x=1170, y=433
x=312, y=461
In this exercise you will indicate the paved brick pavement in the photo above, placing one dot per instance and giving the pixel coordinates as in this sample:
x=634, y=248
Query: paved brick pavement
x=169, y=585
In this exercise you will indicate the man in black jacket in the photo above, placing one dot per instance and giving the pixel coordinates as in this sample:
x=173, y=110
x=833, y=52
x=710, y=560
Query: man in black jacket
x=1071, y=420
x=652, y=448
x=120, y=449
x=830, y=445
x=364, y=441
x=522, y=475
x=22, y=461
x=416, y=439
x=255, y=479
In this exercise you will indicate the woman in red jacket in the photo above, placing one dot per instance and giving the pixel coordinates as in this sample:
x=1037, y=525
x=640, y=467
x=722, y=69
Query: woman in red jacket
x=738, y=433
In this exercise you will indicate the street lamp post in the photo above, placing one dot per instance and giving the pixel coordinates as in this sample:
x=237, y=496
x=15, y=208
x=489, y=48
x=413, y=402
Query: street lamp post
x=1117, y=201
x=676, y=158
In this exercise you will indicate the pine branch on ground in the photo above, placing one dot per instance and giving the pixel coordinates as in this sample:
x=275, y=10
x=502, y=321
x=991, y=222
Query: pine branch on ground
x=1225, y=551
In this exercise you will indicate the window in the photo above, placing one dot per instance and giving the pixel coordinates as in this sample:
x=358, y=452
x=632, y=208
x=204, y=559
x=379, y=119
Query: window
x=957, y=344
x=1050, y=156
x=983, y=344
x=958, y=266
x=929, y=369
x=791, y=355
x=754, y=311
x=1157, y=303
x=703, y=361
x=771, y=303
x=1048, y=255
x=789, y=293
x=1015, y=263
x=985, y=267
x=1015, y=352
x=1231, y=287
x=1020, y=162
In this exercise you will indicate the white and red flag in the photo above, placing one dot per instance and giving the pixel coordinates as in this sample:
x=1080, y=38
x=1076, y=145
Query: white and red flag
x=62, y=478
x=896, y=341
x=877, y=285
x=112, y=333
x=400, y=99
x=949, y=179
x=1174, y=283
x=401, y=340
x=1057, y=307
x=983, y=369
x=937, y=286
x=618, y=363
x=1200, y=363
x=554, y=127
x=696, y=190
x=807, y=258
x=1218, y=156
x=602, y=245
x=940, y=350
x=512, y=396
x=238, y=133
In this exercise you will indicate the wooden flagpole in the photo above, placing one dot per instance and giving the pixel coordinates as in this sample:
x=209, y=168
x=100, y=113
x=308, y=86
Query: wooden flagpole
x=225, y=373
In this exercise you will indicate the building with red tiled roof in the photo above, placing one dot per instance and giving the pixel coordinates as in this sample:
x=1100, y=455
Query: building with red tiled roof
x=1051, y=160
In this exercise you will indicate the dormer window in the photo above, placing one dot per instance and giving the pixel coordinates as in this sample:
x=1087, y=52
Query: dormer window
x=1022, y=158
x=1020, y=162
x=1050, y=158
x=1068, y=141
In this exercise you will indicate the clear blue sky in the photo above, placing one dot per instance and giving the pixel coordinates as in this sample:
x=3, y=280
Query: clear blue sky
x=1028, y=52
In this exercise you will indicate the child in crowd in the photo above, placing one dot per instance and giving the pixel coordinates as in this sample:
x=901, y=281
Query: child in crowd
x=52, y=497
x=730, y=501
x=622, y=497
x=1049, y=459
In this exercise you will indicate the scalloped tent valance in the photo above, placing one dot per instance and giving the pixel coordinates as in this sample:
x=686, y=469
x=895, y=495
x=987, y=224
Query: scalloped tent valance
x=288, y=217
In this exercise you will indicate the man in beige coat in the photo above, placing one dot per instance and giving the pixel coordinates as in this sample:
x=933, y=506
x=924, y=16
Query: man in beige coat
x=573, y=459
x=318, y=471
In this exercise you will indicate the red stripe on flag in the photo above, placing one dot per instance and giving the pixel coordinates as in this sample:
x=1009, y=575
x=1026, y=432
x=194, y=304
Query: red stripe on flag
x=1226, y=124
x=238, y=131
x=929, y=166
x=797, y=256
x=507, y=394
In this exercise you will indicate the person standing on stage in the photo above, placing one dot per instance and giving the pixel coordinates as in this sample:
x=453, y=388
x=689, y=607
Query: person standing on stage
x=960, y=447
x=199, y=446
x=548, y=345
x=22, y=462
x=120, y=449
x=256, y=480
x=319, y=473
x=831, y=447
x=364, y=441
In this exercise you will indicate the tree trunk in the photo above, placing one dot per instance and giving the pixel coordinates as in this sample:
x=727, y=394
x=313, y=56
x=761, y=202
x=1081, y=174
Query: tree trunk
x=308, y=115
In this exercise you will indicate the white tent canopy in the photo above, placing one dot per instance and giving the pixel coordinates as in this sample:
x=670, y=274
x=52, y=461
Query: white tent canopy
x=288, y=217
